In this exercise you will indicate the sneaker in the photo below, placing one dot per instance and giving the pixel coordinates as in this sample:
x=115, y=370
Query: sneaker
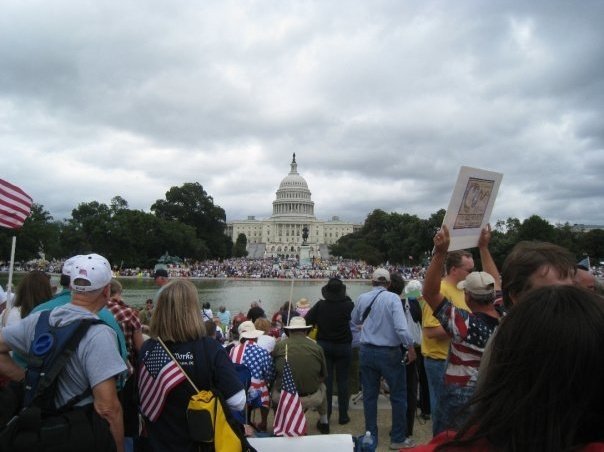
x=408, y=443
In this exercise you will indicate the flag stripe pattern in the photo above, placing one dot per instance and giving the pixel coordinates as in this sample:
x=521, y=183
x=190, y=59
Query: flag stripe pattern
x=15, y=205
x=260, y=364
x=289, y=418
x=159, y=374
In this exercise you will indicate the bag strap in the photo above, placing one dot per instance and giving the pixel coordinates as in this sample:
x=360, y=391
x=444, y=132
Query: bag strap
x=177, y=363
x=368, y=308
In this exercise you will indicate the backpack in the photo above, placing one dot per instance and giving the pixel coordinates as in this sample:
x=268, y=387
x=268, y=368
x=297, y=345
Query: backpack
x=37, y=425
x=210, y=421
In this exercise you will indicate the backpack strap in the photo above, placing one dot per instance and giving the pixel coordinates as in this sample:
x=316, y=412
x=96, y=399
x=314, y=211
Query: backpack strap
x=50, y=350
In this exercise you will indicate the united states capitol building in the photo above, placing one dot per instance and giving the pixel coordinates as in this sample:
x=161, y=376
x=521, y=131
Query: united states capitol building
x=280, y=235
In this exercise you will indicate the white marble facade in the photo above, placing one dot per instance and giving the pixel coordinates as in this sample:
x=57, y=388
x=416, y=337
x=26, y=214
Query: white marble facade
x=281, y=233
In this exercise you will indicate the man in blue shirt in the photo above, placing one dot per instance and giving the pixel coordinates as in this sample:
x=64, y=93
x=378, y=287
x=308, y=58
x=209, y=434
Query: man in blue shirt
x=383, y=333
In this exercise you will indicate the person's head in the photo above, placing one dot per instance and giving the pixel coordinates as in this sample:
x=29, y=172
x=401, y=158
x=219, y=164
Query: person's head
x=542, y=389
x=206, y=305
x=247, y=331
x=263, y=324
x=210, y=328
x=303, y=303
x=380, y=277
x=33, y=289
x=534, y=264
x=479, y=290
x=585, y=278
x=115, y=288
x=222, y=309
x=160, y=277
x=334, y=290
x=458, y=265
x=90, y=281
x=149, y=304
x=397, y=283
x=176, y=315
x=237, y=320
x=297, y=325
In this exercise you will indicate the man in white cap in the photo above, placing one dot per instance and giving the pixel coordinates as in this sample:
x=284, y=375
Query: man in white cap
x=383, y=333
x=469, y=331
x=64, y=297
x=96, y=362
x=309, y=369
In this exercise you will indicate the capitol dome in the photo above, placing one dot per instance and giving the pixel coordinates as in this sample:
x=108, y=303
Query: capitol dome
x=293, y=196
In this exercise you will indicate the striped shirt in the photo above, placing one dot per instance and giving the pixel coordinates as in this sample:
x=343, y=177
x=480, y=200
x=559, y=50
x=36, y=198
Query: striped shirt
x=469, y=333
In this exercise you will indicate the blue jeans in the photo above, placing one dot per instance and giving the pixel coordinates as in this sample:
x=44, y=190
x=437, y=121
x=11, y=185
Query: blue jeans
x=452, y=410
x=435, y=371
x=387, y=362
x=337, y=356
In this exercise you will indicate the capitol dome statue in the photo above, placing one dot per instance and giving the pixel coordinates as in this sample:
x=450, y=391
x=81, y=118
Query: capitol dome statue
x=292, y=225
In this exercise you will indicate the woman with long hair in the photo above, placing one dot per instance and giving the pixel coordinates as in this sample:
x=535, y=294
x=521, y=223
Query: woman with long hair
x=33, y=289
x=543, y=387
x=178, y=333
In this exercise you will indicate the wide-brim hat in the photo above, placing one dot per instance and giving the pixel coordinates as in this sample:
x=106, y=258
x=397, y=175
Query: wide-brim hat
x=247, y=330
x=335, y=289
x=297, y=323
x=303, y=303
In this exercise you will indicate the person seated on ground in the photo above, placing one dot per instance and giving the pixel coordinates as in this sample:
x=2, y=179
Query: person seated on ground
x=309, y=370
x=177, y=322
x=255, y=312
x=225, y=318
x=266, y=341
x=469, y=331
x=543, y=390
x=260, y=365
x=145, y=315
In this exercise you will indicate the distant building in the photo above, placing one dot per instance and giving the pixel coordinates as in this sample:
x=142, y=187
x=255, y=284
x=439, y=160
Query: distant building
x=585, y=227
x=281, y=234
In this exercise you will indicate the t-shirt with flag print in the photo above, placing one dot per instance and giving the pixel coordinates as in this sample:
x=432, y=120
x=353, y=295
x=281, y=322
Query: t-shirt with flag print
x=261, y=366
x=469, y=333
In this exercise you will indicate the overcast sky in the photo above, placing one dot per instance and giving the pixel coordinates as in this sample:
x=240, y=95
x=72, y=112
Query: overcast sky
x=382, y=102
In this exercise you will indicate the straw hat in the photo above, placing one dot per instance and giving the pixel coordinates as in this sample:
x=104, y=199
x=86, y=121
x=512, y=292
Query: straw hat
x=247, y=330
x=303, y=303
x=297, y=323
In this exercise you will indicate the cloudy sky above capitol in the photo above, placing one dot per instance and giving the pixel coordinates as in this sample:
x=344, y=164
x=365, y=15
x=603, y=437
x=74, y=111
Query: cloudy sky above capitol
x=381, y=101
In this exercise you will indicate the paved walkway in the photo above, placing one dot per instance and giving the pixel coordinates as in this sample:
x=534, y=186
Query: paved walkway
x=422, y=430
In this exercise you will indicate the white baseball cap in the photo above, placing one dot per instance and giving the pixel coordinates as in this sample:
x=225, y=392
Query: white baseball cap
x=91, y=268
x=68, y=265
x=381, y=274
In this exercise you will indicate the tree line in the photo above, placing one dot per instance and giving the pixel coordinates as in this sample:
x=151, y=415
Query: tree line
x=187, y=223
x=407, y=239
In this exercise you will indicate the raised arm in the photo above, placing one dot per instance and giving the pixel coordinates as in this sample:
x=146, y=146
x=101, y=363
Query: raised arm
x=431, y=291
x=488, y=264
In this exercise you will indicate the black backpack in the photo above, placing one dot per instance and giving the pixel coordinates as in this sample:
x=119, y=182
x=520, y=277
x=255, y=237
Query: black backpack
x=36, y=424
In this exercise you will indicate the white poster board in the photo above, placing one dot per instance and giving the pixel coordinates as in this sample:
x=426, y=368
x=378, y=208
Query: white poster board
x=471, y=206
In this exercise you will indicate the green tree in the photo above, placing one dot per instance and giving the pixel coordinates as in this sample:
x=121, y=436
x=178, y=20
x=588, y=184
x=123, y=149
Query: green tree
x=38, y=235
x=240, y=246
x=536, y=228
x=191, y=205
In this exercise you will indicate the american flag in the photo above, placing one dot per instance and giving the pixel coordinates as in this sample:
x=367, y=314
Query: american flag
x=289, y=418
x=15, y=205
x=159, y=374
x=260, y=364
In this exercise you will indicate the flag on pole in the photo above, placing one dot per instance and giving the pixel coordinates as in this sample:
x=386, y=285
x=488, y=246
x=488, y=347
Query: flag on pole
x=159, y=374
x=15, y=205
x=289, y=418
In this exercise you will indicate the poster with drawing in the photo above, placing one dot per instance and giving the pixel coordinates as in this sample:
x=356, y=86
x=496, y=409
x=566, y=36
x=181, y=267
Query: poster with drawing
x=471, y=206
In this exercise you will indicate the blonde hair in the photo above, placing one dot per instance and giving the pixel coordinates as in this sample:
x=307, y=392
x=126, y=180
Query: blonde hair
x=177, y=317
x=263, y=324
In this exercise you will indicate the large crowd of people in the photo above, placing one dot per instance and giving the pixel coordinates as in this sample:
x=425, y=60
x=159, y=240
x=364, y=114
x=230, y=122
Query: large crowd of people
x=496, y=360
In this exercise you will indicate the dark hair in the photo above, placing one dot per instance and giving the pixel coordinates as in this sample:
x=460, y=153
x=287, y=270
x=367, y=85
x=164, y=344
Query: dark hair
x=33, y=289
x=397, y=283
x=454, y=259
x=542, y=389
x=65, y=280
x=528, y=257
x=210, y=328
